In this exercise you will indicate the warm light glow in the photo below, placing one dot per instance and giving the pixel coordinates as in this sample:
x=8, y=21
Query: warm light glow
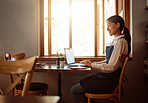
x=83, y=27
x=109, y=11
x=45, y=27
x=59, y=25
x=80, y=19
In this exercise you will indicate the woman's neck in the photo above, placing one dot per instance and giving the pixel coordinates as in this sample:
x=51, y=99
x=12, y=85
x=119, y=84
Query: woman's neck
x=117, y=34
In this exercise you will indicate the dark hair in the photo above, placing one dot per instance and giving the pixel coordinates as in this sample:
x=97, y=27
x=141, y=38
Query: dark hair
x=118, y=19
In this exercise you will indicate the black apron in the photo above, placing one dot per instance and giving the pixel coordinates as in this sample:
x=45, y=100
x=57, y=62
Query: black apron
x=102, y=82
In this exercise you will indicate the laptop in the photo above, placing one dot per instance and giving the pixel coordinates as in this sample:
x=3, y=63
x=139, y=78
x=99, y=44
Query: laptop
x=70, y=58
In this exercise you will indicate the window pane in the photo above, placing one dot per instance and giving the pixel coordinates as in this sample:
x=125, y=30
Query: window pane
x=46, y=27
x=100, y=27
x=59, y=25
x=109, y=11
x=83, y=27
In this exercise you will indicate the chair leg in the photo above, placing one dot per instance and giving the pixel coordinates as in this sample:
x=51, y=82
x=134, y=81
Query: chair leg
x=119, y=99
x=89, y=100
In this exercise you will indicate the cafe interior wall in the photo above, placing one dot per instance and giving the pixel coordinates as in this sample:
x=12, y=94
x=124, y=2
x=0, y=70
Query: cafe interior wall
x=18, y=30
x=19, y=33
x=135, y=90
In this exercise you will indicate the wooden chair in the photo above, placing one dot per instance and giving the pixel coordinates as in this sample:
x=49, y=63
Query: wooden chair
x=24, y=68
x=116, y=95
x=36, y=88
x=16, y=57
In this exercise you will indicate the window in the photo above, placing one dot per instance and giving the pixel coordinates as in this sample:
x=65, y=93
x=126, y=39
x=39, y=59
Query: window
x=77, y=24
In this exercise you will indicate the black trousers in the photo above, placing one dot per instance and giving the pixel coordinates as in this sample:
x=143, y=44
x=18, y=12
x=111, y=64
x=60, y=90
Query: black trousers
x=101, y=82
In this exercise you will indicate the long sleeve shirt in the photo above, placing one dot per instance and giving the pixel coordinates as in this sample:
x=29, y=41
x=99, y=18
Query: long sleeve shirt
x=120, y=47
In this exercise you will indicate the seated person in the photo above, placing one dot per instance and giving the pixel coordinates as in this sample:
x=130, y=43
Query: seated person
x=106, y=80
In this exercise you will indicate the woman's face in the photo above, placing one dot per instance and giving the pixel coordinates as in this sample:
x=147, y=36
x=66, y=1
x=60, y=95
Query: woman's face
x=112, y=28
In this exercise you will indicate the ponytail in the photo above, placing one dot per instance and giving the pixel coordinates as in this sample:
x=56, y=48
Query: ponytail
x=128, y=38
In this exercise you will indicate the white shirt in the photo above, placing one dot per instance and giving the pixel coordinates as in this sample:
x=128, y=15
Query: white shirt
x=120, y=47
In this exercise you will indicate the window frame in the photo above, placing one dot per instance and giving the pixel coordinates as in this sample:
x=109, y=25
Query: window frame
x=126, y=12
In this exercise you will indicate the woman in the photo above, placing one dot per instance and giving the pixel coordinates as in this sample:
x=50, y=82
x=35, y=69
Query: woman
x=106, y=80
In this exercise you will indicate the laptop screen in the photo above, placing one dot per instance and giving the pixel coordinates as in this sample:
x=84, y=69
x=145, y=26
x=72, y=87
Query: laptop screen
x=69, y=55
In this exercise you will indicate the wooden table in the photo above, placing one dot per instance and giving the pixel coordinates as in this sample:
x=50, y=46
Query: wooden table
x=66, y=69
x=29, y=99
x=53, y=68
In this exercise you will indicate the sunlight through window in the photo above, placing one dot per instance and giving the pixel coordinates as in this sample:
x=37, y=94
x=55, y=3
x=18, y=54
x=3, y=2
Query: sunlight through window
x=83, y=27
x=46, y=27
x=73, y=26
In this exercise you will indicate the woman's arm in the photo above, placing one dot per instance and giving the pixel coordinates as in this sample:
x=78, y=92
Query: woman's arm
x=88, y=62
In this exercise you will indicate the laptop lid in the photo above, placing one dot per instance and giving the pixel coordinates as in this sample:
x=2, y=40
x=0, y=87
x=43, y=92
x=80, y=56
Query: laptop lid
x=69, y=55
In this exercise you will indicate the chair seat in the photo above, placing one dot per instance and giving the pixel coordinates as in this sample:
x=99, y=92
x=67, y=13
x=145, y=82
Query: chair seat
x=34, y=86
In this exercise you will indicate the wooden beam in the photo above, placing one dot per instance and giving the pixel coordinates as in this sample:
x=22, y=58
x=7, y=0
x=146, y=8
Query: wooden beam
x=95, y=25
x=70, y=23
x=116, y=7
x=126, y=13
x=103, y=16
x=41, y=28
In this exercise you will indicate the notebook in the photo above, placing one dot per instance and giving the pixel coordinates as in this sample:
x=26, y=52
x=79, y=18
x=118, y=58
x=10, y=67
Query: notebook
x=70, y=58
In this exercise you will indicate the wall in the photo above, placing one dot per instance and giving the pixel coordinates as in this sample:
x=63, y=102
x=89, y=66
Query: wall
x=18, y=33
x=18, y=27
x=136, y=90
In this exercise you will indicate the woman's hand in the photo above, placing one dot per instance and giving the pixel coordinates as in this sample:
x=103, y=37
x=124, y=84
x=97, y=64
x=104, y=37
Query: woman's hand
x=86, y=62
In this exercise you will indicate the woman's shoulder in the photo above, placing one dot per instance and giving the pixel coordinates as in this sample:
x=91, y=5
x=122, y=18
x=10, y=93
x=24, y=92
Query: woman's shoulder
x=120, y=41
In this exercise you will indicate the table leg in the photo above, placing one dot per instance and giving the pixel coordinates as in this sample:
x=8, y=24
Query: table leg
x=59, y=87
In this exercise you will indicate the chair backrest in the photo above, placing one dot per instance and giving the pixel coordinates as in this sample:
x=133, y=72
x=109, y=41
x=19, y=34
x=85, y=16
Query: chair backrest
x=9, y=57
x=16, y=57
x=23, y=67
x=124, y=59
